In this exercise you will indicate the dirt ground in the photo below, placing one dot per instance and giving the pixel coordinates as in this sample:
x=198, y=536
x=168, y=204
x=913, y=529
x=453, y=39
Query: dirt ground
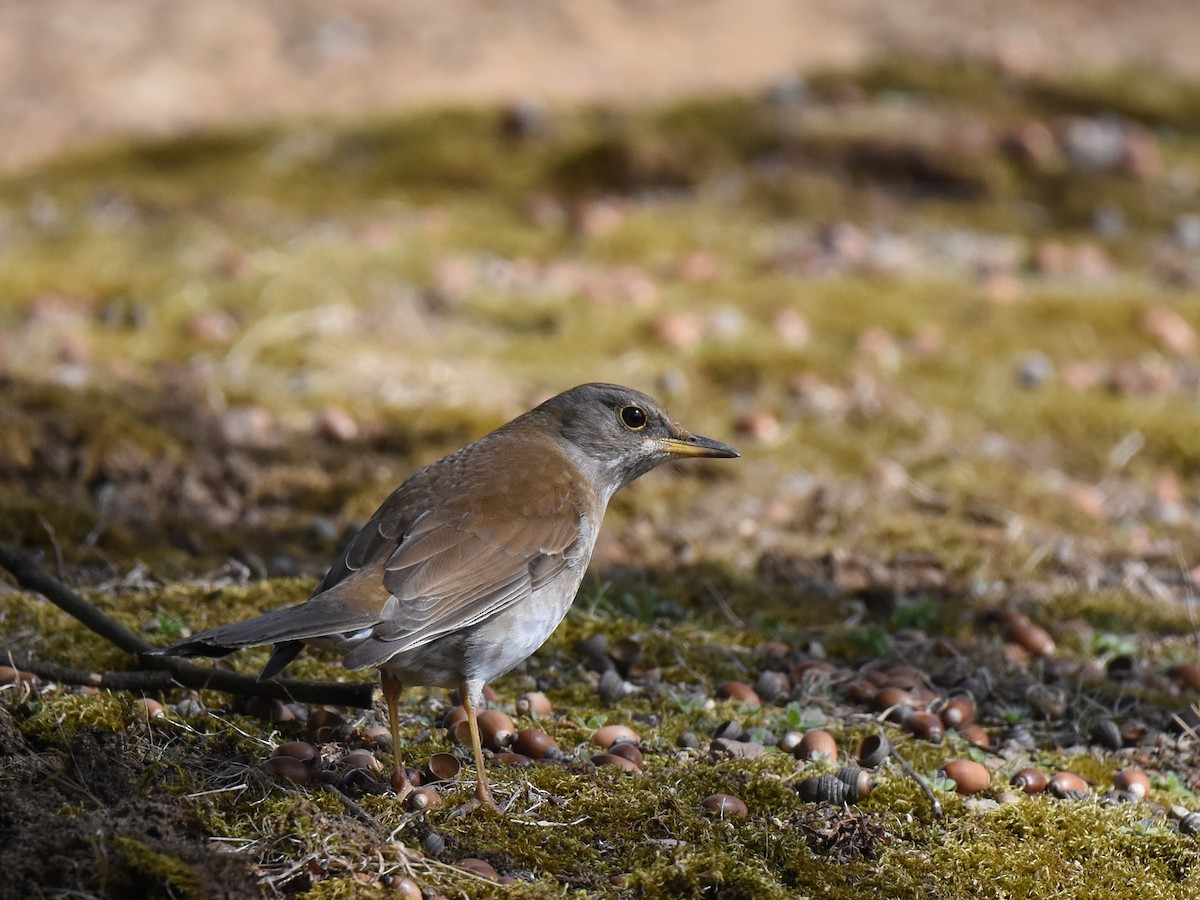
x=71, y=71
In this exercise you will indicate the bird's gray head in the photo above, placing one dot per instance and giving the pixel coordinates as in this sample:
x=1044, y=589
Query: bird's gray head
x=617, y=433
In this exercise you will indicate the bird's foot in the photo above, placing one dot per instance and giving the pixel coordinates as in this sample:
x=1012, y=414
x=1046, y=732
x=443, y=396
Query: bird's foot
x=480, y=803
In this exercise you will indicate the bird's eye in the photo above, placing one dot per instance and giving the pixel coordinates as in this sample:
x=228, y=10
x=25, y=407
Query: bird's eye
x=632, y=417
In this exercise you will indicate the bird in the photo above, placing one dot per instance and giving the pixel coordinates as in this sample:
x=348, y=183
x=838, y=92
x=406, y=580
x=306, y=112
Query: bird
x=471, y=563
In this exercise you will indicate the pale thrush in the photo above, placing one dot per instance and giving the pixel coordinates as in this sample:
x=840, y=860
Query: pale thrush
x=467, y=568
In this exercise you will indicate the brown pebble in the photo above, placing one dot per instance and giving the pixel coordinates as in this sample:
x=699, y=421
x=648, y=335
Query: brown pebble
x=1067, y=786
x=608, y=735
x=817, y=743
x=725, y=806
x=288, y=769
x=1133, y=780
x=738, y=691
x=362, y=759
x=534, y=703
x=479, y=866
x=1031, y=781
x=611, y=759
x=969, y=777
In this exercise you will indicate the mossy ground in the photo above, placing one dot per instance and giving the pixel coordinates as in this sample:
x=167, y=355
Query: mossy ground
x=965, y=423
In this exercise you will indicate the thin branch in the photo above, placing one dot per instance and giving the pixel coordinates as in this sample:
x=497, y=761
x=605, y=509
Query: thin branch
x=934, y=803
x=171, y=670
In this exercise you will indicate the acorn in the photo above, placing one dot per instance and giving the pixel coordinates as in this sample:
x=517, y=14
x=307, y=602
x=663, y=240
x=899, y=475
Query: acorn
x=817, y=743
x=480, y=867
x=359, y=780
x=873, y=750
x=896, y=700
x=534, y=743
x=969, y=777
x=1133, y=780
x=1187, y=674
x=508, y=758
x=738, y=691
x=958, y=712
x=848, y=786
x=148, y=707
x=926, y=726
x=269, y=710
x=770, y=686
x=1107, y=733
x=453, y=717
x=726, y=806
x=534, y=703
x=405, y=888
x=300, y=750
x=790, y=740
x=629, y=751
x=362, y=759
x=975, y=734
x=496, y=730
x=626, y=654
x=1068, y=786
x=288, y=770
x=441, y=767
x=1032, y=637
x=860, y=781
x=608, y=735
x=1031, y=781
x=620, y=762
x=325, y=726
x=424, y=798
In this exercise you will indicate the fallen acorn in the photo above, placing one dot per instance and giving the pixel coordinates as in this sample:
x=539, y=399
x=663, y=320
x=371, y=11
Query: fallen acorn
x=817, y=743
x=610, y=734
x=300, y=750
x=629, y=751
x=849, y=785
x=873, y=750
x=1187, y=674
x=925, y=726
x=149, y=707
x=1030, y=780
x=441, y=767
x=496, y=729
x=1068, y=786
x=534, y=703
x=480, y=867
x=969, y=777
x=958, y=712
x=1133, y=780
x=288, y=769
x=975, y=734
x=738, y=691
x=362, y=759
x=772, y=685
x=424, y=798
x=534, y=743
x=725, y=806
x=620, y=762
x=790, y=740
x=1031, y=637
x=508, y=758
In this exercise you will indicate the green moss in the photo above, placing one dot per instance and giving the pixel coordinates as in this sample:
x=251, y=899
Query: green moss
x=176, y=876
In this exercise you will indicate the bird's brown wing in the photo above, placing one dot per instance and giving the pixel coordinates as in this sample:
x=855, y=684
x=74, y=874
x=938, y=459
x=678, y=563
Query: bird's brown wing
x=462, y=562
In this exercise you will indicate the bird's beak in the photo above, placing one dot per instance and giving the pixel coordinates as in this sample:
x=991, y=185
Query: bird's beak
x=694, y=445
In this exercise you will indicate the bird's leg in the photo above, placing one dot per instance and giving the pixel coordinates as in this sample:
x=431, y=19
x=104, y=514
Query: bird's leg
x=483, y=793
x=391, y=693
